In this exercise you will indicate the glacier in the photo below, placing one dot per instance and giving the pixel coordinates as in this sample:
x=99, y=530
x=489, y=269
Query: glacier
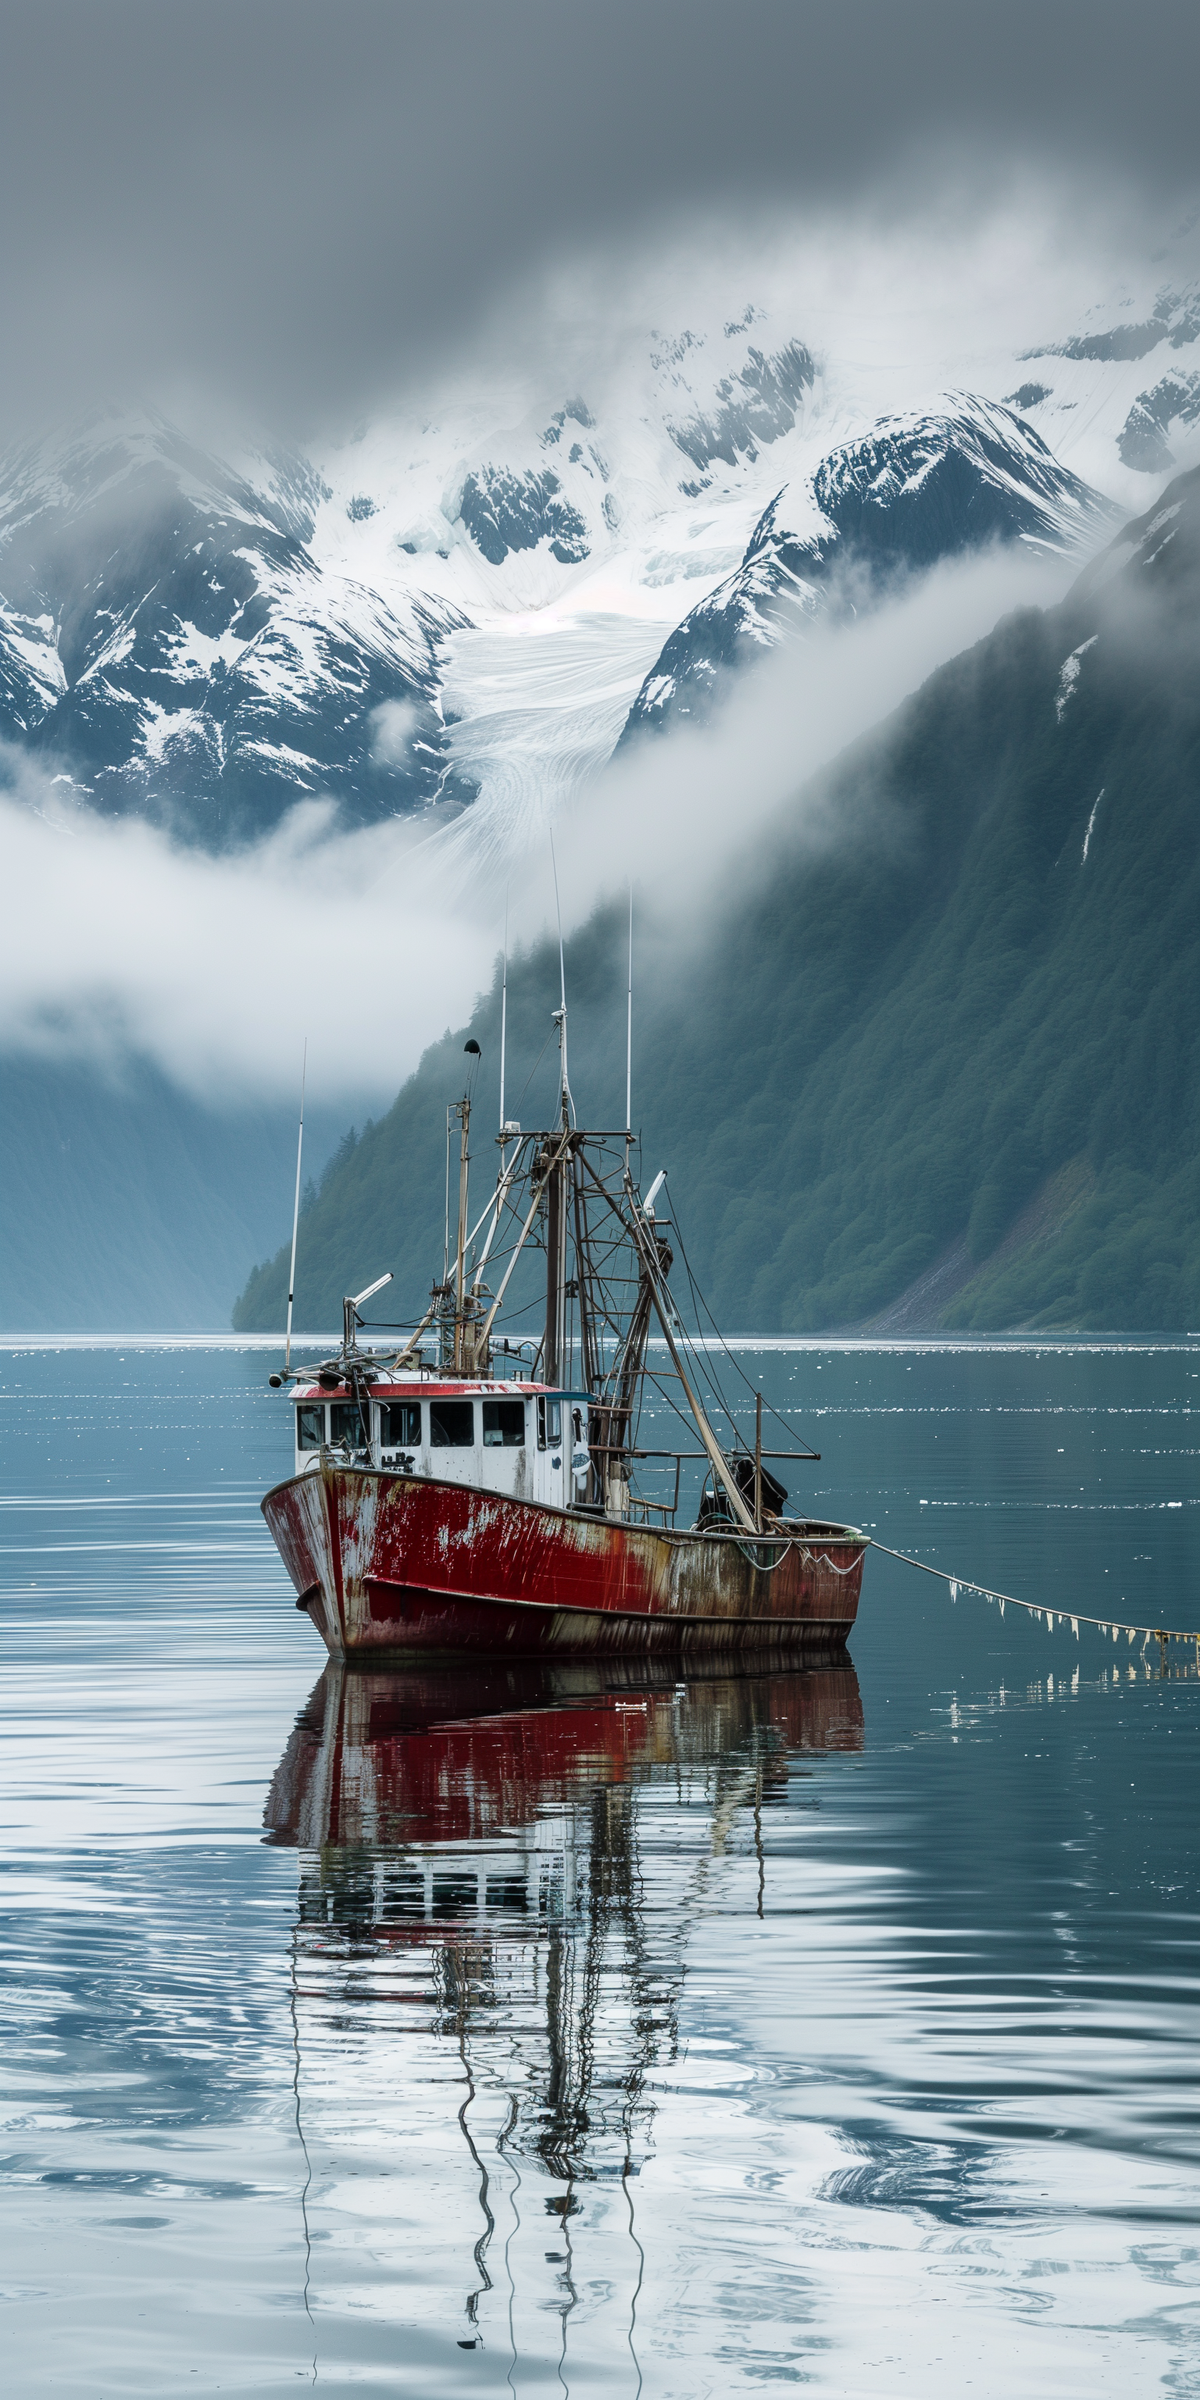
x=519, y=572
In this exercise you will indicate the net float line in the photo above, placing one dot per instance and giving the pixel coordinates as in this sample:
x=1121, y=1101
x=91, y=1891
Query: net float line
x=1074, y=1617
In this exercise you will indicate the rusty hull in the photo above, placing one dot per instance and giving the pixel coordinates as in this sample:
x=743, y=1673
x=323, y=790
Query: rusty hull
x=394, y=1565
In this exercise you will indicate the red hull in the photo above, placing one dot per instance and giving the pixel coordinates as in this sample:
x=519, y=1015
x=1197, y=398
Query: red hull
x=389, y=1564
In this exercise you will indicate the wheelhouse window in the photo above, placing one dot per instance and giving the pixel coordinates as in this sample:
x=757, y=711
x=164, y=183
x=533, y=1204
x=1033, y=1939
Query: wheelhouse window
x=346, y=1424
x=549, y=1422
x=400, y=1424
x=451, y=1424
x=310, y=1425
x=504, y=1424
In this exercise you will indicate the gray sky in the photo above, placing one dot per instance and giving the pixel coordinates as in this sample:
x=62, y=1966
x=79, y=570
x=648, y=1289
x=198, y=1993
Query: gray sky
x=294, y=202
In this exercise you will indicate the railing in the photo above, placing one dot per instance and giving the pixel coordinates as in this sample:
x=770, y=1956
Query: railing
x=641, y=1511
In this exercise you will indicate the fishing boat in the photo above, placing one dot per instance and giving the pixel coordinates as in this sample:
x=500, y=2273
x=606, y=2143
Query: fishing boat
x=470, y=1489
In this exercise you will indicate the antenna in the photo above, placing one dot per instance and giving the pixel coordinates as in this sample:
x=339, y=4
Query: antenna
x=561, y=1011
x=287, y=1349
x=463, y=1113
x=629, y=1027
x=503, y=1025
x=562, y=972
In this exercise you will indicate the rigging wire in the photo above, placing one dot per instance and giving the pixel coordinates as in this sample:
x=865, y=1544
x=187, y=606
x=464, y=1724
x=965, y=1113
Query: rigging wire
x=684, y=1415
x=629, y=1028
x=503, y=1023
x=287, y=1349
x=534, y=1068
x=703, y=1362
x=735, y=1363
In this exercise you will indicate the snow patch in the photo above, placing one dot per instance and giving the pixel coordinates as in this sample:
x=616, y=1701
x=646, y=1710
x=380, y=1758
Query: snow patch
x=1151, y=555
x=1164, y=517
x=1068, y=677
x=1091, y=821
x=203, y=653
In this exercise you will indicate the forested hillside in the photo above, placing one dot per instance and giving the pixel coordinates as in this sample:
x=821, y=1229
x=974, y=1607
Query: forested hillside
x=944, y=1073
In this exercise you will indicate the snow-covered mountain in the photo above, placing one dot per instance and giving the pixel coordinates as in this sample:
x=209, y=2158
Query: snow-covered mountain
x=917, y=489
x=170, y=643
x=462, y=603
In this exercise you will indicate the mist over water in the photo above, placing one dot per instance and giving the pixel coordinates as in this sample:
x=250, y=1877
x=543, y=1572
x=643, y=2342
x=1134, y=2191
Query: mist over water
x=679, y=2035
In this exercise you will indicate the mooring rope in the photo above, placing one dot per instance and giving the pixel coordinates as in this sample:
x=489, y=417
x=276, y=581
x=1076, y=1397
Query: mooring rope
x=1073, y=1617
x=815, y=1558
x=765, y=1566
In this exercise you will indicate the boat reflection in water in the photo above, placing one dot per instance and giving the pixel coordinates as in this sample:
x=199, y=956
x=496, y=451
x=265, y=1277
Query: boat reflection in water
x=520, y=1854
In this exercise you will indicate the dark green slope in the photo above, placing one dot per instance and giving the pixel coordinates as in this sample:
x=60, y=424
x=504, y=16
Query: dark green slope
x=951, y=1053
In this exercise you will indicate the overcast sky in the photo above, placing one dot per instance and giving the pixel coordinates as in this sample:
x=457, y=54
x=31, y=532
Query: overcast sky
x=296, y=202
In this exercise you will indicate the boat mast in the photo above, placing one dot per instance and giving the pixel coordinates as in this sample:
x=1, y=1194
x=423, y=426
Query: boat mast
x=462, y=1110
x=717, y=1458
x=463, y=1113
x=503, y=1033
x=639, y=1224
x=554, y=1347
x=556, y=1223
x=539, y=1175
x=287, y=1348
x=629, y=1041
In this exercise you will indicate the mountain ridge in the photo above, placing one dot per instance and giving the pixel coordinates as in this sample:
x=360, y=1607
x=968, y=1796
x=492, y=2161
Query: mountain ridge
x=914, y=491
x=167, y=645
x=980, y=1020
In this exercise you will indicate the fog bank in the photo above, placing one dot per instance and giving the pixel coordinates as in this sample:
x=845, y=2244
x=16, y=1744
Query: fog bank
x=370, y=943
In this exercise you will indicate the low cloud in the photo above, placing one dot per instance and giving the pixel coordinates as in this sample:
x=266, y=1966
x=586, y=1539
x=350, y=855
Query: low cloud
x=697, y=816
x=393, y=725
x=123, y=940
x=217, y=969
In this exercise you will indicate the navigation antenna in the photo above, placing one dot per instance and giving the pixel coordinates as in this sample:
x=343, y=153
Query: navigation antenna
x=629, y=1040
x=560, y=1013
x=503, y=1026
x=287, y=1348
x=462, y=1110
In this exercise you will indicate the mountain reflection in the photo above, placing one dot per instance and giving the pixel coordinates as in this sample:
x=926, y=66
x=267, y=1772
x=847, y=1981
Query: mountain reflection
x=520, y=1851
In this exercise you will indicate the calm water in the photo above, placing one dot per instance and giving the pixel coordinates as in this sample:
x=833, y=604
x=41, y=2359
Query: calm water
x=685, y=2038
